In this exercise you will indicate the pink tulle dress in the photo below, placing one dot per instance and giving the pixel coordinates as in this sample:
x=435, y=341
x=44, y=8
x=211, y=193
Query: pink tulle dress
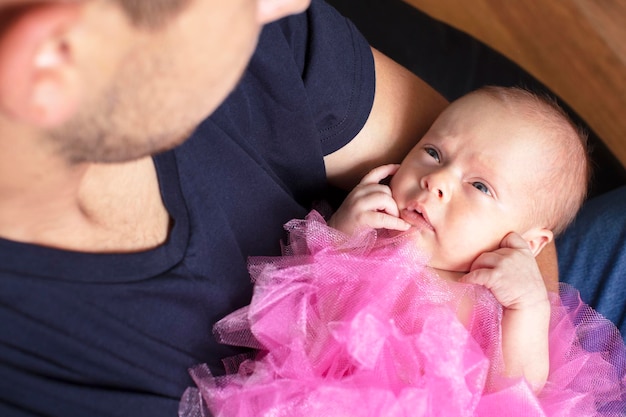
x=357, y=327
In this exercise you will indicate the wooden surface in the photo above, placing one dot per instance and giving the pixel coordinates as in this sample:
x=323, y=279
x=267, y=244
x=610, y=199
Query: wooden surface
x=575, y=47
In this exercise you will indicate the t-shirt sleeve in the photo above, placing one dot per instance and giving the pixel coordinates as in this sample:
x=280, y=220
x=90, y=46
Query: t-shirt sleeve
x=337, y=69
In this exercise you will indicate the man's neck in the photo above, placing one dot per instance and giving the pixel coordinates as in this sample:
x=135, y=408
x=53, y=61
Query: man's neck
x=91, y=208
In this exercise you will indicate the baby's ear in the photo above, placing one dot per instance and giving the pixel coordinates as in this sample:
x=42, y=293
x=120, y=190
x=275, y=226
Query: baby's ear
x=537, y=239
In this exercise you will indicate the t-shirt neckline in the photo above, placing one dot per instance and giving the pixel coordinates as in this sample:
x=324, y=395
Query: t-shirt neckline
x=65, y=265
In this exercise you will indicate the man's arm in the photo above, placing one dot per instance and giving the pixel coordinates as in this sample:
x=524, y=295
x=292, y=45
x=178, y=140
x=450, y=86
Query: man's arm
x=404, y=108
x=549, y=267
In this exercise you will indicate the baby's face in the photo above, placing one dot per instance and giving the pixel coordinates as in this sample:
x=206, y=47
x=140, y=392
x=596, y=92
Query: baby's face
x=467, y=183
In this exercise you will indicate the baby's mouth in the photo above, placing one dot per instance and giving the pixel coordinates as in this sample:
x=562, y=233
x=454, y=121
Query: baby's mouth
x=416, y=217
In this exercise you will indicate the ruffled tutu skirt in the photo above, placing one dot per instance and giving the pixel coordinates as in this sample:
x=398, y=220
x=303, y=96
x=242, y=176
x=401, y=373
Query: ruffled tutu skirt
x=358, y=327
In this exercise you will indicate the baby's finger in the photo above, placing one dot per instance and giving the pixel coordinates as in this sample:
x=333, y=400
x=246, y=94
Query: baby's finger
x=386, y=203
x=374, y=201
x=514, y=241
x=492, y=279
x=382, y=220
x=486, y=260
x=380, y=173
x=480, y=276
x=362, y=191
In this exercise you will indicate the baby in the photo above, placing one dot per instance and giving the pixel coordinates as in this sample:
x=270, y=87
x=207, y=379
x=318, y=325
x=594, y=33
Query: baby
x=499, y=173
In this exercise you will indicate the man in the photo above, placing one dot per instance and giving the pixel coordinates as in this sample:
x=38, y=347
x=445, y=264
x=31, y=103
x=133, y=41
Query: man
x=115, y=264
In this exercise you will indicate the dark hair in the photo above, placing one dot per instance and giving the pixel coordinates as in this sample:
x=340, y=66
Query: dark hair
x=150, y=14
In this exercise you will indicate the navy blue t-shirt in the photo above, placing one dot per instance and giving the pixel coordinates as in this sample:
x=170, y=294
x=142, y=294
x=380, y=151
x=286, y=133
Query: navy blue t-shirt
x=91, y=335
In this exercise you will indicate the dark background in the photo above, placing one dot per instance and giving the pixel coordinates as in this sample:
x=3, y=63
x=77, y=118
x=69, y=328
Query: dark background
x=455, y=63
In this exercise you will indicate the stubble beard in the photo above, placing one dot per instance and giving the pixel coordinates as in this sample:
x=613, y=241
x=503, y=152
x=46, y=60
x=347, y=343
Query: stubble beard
x=114, y=131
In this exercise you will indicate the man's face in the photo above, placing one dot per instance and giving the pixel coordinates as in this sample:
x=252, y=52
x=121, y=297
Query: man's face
x=169, y=79
x=467, y=182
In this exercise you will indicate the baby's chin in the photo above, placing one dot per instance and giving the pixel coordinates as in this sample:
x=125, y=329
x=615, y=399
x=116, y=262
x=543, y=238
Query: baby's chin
x=448, y=274
x=438, y=260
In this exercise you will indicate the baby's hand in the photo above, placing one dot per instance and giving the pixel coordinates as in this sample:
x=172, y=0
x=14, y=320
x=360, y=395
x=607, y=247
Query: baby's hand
x=370, y=205
x=511, y=274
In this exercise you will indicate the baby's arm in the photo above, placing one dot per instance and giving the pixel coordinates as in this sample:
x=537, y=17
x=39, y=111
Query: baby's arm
x=512, y=275
x=370, y=204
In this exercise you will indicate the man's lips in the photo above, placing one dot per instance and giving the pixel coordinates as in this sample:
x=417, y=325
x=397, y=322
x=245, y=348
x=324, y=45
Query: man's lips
x=416, y=217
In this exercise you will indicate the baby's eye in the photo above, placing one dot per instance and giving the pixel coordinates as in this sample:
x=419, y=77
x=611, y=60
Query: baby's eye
x=433, y=152
x=481, y=187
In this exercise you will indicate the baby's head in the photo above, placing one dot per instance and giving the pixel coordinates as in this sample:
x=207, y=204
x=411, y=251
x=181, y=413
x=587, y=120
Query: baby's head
x=497, y=160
